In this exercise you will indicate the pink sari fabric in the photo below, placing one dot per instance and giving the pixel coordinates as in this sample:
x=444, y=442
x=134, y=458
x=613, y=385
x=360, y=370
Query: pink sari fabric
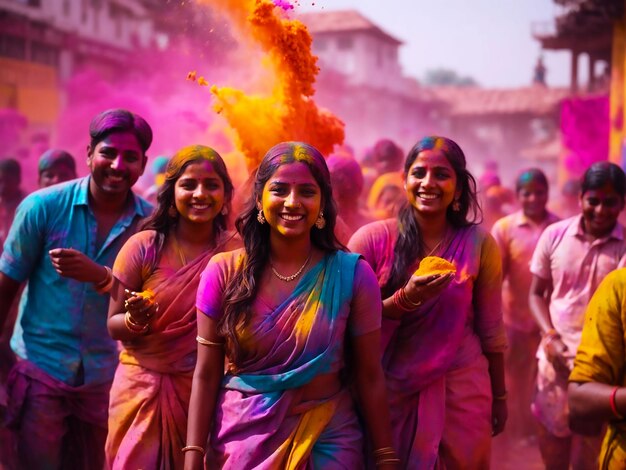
x=445, y=334
x=152, y=385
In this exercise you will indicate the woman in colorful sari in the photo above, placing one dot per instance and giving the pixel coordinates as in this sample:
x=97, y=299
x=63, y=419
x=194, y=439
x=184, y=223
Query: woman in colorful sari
x=443, y=336
x=152, y=311
x=288, y=311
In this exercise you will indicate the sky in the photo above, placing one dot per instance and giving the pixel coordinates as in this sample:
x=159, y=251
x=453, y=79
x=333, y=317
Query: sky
x=488, y=40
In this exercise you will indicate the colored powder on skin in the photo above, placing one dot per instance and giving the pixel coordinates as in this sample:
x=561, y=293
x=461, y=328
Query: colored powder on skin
x=288, y=112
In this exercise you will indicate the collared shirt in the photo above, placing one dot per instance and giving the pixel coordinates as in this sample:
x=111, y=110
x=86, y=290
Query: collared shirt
x=576, y=266
x=517, y=236
x=64, y=320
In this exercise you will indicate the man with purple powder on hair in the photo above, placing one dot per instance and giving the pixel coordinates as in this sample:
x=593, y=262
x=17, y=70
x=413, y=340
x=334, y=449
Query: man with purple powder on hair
x=62, y=241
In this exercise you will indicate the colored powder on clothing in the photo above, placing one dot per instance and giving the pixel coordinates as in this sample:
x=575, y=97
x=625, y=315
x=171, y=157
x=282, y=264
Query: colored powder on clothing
x=288, y=112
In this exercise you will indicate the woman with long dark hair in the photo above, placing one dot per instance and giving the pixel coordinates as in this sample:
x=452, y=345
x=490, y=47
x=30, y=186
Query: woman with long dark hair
x=284, y=311
x=443, y=333
x=152, y=310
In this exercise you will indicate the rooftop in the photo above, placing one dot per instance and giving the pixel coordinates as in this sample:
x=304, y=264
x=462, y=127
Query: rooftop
x=343, y=21
x=473, y=101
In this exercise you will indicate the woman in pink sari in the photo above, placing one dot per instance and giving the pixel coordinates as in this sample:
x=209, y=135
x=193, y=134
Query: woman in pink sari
x=287, y=311
x=443, y=335
x=152, y=311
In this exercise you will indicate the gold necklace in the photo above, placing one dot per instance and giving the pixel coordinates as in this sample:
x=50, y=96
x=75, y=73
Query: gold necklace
x=293, y=276
x=178, y=250
x=424, y=247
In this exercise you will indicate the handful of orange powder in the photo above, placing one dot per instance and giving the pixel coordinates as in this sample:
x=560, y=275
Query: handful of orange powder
x=434, y=265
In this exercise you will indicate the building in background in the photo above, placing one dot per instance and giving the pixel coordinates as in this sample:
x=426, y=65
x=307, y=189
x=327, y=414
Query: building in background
x=518, y=127
x=43, y=43
x=592, y=123
x=361, y=81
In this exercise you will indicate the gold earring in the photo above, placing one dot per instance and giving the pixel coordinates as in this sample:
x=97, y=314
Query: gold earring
x=320, y=223
x=224, y=210
x=456, y=205
x=260, y=217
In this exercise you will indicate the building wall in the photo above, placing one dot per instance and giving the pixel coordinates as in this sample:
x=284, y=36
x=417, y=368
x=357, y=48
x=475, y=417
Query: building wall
x=363, y=57
x=44, y=42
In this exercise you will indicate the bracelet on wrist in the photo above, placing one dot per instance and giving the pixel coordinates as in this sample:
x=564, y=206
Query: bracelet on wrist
x=614, y=409
x=501, y=397
x=402, y=302
x=385, y=456
x=106, y=284
x=133, y=326
x=193, y=448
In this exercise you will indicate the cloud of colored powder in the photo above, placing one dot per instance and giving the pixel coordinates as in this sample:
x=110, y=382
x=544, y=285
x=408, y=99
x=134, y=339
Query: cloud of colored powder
x=285, y=110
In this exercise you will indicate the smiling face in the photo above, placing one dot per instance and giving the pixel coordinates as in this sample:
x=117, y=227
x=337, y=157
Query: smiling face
x=431, y=183
x=116, y=162
x=600, y=208
x=199, y=193
x=533, y=197
x=291, y=200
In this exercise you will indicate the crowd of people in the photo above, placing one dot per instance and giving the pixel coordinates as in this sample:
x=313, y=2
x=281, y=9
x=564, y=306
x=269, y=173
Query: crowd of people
x=292, y=330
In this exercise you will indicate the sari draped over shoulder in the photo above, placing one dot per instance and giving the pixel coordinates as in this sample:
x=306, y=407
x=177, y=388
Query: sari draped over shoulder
x=152, y=385
x=444, y=334
x=260, y=420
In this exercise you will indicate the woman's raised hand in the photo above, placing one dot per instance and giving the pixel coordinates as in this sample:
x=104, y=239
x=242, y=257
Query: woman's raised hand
x=419, y=289
x=141, y=305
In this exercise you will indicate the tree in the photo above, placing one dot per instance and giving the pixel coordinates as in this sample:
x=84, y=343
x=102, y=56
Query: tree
x=447, y=77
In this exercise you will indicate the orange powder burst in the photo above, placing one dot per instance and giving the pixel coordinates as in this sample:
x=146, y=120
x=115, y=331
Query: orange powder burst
x=289, y=112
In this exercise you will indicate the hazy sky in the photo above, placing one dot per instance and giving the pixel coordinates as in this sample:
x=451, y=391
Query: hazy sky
x=489, y=40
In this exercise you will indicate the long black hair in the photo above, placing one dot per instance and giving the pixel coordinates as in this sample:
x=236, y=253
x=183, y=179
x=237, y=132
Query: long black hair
x=242, y=288
x=409, y=237
x=161, y=220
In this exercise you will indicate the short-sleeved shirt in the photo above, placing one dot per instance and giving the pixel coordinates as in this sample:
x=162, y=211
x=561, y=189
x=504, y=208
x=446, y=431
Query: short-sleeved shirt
x=575, y=266
x=365, y=305
x=517, y=236
x=63, y=320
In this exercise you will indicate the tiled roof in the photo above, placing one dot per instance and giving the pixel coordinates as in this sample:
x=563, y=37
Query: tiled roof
x=474, y=101
x=342, y=21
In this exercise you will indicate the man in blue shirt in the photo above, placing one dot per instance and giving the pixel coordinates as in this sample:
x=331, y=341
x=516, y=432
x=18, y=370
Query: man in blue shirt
x=61, y=242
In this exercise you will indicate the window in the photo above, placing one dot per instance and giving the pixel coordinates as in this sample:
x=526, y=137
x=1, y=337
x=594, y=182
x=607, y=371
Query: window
x=13, y=47
x=116, y=17
x=44, y=54
x=345, y=43
x=320, y=44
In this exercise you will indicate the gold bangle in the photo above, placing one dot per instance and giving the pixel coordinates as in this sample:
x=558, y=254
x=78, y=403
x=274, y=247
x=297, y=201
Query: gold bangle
x=134, y=322
x=104, y=286
x=384, y=450
x=500, y=397
x=206, y=342
x=133, y=326
x=194, y=448
x=386, y=461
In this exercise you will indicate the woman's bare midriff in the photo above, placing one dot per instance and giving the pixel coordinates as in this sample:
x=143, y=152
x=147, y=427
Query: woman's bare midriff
x=322, y=387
